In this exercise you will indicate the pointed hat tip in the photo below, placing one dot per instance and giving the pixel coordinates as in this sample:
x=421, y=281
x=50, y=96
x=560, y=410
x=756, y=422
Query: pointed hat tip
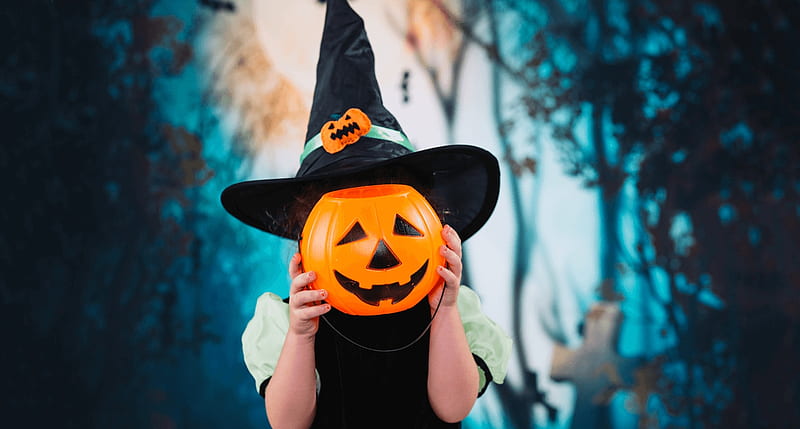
x=346, y=72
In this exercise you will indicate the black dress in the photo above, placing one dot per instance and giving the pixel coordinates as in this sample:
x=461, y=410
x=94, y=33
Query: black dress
x=362, y=388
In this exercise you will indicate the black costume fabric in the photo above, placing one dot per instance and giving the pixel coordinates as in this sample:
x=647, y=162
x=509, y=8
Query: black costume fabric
x=365, y=389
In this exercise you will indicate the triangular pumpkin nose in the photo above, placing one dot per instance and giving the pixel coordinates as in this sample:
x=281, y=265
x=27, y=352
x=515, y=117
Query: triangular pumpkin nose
x=383, y=258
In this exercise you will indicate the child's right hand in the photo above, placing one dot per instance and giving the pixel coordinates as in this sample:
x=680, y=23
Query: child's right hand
x=304, y=303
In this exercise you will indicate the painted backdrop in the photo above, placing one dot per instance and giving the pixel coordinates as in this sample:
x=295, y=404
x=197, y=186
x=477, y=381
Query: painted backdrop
x=642, y=254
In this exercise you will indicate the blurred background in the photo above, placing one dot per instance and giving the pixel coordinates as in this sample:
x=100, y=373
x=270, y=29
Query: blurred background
x=643, y=254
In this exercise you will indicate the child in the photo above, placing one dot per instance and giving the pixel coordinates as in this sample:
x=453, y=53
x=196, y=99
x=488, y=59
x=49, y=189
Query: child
x=419, y=367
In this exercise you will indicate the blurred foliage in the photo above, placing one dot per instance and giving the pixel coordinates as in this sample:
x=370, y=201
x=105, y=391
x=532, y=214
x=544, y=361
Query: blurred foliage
x=726, y=156
x=695, y=104
x=100, y=248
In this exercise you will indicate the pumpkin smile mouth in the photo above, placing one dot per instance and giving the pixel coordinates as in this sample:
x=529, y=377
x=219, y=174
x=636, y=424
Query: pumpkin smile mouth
x=352, y=127
x=394, y=291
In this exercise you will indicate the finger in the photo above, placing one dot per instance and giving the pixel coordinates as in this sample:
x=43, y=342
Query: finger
x=313, y=311
x=449, y=277
x=451, y=239
x=452, y=259
x=301, y=281
x=436, y=292
x=305, y=297
x=294, y=266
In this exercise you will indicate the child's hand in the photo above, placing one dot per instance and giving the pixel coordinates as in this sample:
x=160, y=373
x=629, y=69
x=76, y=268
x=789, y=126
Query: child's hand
x=451, y=272
x=304, y=303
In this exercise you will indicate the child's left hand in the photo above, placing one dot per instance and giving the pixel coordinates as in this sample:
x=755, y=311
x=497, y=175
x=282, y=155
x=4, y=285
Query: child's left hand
x=451, y=272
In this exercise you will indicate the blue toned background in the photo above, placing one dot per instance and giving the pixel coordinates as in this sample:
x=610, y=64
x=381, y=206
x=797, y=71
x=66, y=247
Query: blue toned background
x=642, y=255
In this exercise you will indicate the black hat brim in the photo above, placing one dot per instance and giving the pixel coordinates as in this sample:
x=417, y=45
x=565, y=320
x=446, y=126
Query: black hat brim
x=461, y=182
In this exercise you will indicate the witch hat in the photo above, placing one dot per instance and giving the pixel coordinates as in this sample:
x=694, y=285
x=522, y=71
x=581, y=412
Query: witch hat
x=353, y=140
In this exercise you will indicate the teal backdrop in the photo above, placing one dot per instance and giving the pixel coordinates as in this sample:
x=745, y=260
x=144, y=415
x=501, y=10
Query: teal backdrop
x=651, y=161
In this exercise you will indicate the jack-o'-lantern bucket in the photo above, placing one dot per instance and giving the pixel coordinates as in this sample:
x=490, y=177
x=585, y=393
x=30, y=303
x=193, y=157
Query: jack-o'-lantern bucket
x=375, y=249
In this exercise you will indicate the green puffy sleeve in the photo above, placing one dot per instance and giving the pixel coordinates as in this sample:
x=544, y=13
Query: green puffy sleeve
x=263, y=337
x=486, y=339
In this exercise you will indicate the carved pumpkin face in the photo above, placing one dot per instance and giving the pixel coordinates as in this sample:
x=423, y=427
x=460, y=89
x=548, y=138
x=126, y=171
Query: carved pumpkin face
x=346, y=130
x=375, y=249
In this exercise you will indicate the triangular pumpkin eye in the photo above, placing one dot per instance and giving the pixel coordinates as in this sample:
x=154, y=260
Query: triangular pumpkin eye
x=356, y=233
x=402, y=227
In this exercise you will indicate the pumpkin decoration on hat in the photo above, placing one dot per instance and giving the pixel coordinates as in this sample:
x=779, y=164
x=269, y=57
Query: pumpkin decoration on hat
x=348, y=129
x=375, y=248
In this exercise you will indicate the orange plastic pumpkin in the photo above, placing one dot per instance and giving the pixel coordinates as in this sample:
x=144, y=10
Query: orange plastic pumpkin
x=375, y=249
x=346, y=130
